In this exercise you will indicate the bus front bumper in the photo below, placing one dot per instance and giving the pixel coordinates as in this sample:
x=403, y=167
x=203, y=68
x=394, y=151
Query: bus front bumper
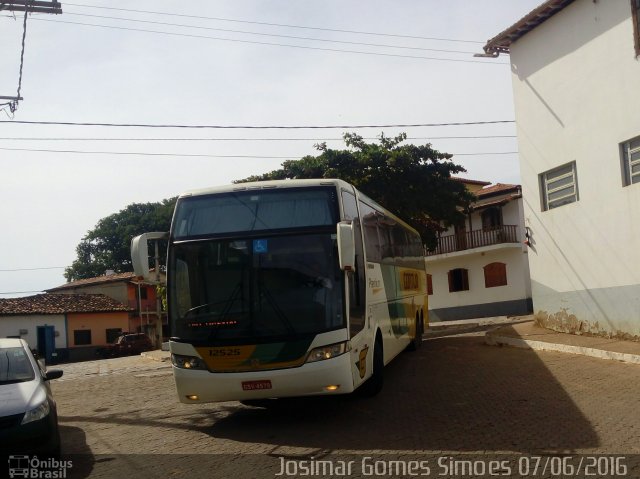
x=328, y=377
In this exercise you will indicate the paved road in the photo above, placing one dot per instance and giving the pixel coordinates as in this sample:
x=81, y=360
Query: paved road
x=454, y=396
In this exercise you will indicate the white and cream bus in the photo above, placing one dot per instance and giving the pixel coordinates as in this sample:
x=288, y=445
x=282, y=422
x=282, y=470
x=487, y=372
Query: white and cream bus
x=287, y=288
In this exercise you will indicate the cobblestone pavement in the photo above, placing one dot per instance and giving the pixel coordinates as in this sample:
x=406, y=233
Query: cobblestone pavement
x=129, y=365
x=453, y=396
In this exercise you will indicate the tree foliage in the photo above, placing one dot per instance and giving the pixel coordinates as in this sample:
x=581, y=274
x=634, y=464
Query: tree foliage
x=412, y=181
x=108, y=245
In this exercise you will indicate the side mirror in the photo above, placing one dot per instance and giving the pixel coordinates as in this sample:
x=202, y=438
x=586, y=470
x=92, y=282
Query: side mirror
x=346, y=247
x=53, y=374
x=140, y=252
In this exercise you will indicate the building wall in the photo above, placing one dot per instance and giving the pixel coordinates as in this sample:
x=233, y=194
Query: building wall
x=117, y=290
x=11, y=326
x=576, y=90
x=98, y=323
x=479, y=301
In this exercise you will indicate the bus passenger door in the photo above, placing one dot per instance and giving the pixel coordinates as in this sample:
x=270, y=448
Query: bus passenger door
x=359, y=329
x=359, y=332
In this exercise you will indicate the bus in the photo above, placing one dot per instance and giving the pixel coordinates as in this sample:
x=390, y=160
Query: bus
x=287, y=288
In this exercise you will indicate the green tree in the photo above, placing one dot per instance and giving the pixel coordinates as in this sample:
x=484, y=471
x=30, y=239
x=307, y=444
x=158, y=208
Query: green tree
x=107, y=246
x=412, y=181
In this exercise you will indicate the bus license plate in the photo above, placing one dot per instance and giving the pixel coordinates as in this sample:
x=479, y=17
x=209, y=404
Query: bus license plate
x=256, y=385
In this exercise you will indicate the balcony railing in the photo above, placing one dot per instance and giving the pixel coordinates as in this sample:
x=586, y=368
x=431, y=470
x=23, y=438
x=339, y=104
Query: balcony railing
x=476, y=239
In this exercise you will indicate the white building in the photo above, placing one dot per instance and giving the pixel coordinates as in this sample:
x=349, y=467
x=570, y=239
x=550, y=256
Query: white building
x=576, y=81
x=480, y=269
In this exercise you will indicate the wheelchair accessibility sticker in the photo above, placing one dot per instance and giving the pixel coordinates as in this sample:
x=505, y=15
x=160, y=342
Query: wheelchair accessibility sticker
x=260, y=246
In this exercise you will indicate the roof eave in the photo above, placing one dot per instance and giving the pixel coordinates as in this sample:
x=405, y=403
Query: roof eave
x=501, y=43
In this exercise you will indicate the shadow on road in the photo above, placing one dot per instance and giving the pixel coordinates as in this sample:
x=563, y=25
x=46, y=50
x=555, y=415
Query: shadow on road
x=445, y=397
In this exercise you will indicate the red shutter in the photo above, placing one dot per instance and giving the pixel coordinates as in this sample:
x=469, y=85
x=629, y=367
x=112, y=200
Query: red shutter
x=495, y=274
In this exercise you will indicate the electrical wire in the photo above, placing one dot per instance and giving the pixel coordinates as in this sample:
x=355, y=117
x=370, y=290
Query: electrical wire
x=255, y=127
x=190, y=155
x=14, y=105
x=200, y=17
x=243, y=139
x=270, y=34
x=30, y=269
x=23, y=292
x=196, y=155
x=304, y=47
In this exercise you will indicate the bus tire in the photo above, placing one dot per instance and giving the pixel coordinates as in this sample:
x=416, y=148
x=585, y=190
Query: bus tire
x=416, y=342
x=374, y=384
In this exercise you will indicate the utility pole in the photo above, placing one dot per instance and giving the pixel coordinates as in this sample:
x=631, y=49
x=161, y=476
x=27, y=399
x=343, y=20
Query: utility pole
x=26, y=6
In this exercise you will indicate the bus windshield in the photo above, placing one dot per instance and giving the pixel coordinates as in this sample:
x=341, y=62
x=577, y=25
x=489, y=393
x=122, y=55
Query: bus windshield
x=245, y=291
x=254, y=210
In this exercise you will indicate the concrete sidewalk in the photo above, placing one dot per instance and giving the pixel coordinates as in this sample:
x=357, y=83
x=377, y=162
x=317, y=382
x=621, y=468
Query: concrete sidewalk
x=520, y=332
x=530, y=336
x=157, y=355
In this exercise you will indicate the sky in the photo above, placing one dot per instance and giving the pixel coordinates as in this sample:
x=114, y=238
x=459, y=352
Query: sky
x=258, y=63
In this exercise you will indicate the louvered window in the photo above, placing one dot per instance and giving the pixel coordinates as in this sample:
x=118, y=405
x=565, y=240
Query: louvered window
x=559, y=186
x=631, y=161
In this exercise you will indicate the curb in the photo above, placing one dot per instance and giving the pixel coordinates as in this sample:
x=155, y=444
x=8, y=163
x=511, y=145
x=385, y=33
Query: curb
x=495, y=340
x=156, y=357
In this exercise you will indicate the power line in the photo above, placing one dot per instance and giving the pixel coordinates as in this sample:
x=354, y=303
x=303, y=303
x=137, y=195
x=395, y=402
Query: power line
x=255, y=127
x=487, y=153
x=200, y=17
x=22, y=292
x=270, y=34
x=243, y=139
x=253, y=42
x=30, y=269
x=196, y=155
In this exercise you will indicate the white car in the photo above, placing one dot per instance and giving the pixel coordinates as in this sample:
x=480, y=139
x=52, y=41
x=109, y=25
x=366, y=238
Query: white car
x=28, y=416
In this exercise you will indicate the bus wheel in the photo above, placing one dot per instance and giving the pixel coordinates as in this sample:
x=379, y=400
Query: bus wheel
x=416, y=342
x=374, y=384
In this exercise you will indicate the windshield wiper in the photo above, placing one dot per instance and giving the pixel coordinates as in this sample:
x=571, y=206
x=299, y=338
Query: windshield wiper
x=227, y=309
x=196, y=310
x=279, y=313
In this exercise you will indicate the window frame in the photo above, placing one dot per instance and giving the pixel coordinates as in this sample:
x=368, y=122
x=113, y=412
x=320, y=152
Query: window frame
x=464, y=280
x=549, y=204
x=628, y=177
x=491, y=218
x=78, y=333
x=429, y=285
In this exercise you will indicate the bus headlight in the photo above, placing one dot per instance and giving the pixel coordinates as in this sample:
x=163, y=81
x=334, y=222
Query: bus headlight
x=187, y=362
x=328, y=352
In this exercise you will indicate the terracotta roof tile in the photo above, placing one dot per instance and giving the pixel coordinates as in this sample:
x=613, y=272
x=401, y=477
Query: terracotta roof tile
x=109, y=278
x=60, y=304
x=471, y=182
x=497, y=188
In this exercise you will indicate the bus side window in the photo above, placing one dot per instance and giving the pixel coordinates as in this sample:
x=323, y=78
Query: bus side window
x=355, y=278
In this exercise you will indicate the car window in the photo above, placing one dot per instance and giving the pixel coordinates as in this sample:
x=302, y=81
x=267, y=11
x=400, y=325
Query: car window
x=15, y=366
